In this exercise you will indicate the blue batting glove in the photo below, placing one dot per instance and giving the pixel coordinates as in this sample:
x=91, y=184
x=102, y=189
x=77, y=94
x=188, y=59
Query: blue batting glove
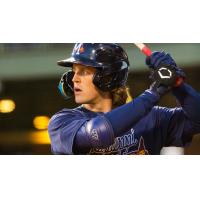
x=162, y=59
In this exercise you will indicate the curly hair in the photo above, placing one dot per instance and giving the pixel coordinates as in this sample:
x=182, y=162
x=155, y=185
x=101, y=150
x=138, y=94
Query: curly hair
x=120, y=96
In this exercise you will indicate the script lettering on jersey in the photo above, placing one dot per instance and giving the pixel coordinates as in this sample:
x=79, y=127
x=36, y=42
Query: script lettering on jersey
x=126, y=144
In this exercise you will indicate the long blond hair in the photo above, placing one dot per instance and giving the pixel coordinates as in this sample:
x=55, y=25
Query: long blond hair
x=121, y=96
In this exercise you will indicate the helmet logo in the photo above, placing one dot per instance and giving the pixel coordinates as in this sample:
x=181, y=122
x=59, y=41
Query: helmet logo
x=78, y=48
x=81, y=50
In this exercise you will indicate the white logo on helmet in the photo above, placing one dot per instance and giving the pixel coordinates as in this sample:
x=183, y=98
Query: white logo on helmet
x=164, y=76
x=77, y=48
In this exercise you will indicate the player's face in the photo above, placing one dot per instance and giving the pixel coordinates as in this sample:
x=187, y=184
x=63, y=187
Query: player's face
x=84, y=90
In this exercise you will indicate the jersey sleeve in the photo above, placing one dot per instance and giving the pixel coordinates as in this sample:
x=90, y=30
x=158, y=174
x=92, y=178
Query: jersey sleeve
x=189, y=99
x=183, y=122
x=178, y=129
x=62, y=131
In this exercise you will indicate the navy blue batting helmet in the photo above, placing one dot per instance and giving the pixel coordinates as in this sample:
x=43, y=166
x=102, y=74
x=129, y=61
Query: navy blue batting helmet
x=110, y=60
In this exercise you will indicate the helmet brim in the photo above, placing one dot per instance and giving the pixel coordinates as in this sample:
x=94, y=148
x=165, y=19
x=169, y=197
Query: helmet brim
x=70, y=61
x=67, y=62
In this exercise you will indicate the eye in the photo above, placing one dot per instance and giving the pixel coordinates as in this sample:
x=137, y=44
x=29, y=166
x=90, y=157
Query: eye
x=86, y=72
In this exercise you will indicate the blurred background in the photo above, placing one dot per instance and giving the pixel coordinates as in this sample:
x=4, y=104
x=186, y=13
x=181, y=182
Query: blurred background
x=29, y=78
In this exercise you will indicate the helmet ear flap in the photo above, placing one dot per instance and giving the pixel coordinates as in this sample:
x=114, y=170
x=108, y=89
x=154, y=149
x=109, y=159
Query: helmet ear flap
x=97, y=78
x=107, y=80
x=66, y=85
x=102, y=80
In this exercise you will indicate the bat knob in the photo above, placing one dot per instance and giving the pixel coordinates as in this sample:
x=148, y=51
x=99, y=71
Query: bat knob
x=179, y=81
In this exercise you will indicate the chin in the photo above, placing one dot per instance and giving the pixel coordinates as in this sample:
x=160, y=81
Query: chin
x=80, y=101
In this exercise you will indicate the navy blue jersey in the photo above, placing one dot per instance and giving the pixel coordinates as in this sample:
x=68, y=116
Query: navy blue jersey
x=160, y=127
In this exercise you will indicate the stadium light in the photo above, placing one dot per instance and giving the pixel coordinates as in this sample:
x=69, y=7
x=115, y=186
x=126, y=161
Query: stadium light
x=41, y=122
x=7, y=105
x=39, y=137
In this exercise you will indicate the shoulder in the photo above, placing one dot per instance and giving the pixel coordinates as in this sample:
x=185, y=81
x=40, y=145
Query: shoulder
x=66, y=116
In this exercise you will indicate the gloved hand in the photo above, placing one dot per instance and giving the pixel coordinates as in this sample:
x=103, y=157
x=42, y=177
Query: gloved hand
x=165, y=73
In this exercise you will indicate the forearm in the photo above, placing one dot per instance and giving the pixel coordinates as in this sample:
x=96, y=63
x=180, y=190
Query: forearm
x=126, y=116
x=189, y=99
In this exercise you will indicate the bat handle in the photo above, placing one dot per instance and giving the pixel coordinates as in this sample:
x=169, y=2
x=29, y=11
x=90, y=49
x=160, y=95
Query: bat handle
x=146, y=51
x=143, y=48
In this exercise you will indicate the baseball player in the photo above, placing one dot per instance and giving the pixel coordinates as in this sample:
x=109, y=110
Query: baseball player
x=104, y=123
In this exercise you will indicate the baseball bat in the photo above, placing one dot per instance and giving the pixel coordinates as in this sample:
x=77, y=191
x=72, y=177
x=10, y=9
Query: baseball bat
x=146, y=51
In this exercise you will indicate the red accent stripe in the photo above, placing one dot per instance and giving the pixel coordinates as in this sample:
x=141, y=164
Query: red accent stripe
x=146, y=51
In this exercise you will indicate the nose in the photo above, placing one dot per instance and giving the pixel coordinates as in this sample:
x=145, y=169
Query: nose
x=76, y=78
